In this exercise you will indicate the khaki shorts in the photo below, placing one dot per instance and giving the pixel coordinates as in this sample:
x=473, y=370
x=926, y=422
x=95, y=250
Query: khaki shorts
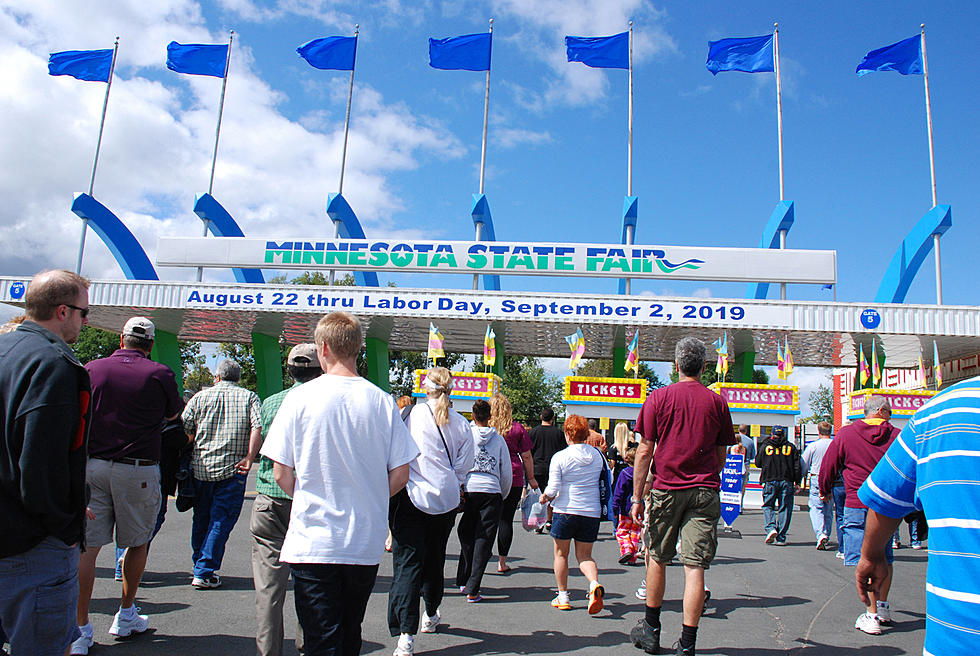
x=690, y=515
x=126, y=497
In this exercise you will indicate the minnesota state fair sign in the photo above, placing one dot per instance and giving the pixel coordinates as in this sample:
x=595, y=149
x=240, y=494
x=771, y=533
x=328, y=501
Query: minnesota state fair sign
x=466, y=385
x=749, y=396
x=904, y=403
x=605, y=391
x=516, y=258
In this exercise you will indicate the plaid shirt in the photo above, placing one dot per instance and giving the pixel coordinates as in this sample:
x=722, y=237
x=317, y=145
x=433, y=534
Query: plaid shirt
x=265, y=482
x=220, y=418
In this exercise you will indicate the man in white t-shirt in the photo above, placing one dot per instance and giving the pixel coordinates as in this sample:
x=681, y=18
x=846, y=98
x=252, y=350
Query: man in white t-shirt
x=341, y=449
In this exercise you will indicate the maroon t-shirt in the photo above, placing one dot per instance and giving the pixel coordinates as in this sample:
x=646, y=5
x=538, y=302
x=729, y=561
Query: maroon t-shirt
x=131, y=396
x=518, y=441
x=689, y=422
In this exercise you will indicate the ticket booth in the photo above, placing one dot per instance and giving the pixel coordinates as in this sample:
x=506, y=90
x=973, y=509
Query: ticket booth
x=467, y=388
x=904, y=403
x=613, y=398
x=761, y=407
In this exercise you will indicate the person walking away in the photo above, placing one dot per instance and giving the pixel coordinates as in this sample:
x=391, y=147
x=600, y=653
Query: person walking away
x=224, y=423
x=270, y=518
x=627, y=531
x=44, y=419
x=691, y=429
x=573, y=487
x=855, y=451
x=522, y=466
x=340, y=449
x=781, y=474
x=482, y=502
x=595, y=437
x=748, y=443
x=132, y=397
x=421, y=516
x=821, y=509
x=546, y=440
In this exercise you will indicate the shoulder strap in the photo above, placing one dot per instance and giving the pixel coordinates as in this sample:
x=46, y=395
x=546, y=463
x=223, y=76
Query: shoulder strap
x=438, y=428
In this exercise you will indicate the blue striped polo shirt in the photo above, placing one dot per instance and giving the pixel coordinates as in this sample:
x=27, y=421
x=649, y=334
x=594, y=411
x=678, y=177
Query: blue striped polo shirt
x=934, y=465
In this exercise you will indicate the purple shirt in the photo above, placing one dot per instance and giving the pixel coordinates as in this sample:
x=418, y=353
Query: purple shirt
x=131, y=396
x=518, y=441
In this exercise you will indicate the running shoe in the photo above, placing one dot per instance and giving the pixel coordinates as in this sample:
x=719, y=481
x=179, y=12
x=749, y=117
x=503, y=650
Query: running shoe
x=206, y=582
x=641, y=592
x=595, y=599
x=126, y=625
x=868, y=623
x=561, y=603
x=430, y=624
x=771, y=537
x=822, y=543
x=884, y=613
x=405, y=646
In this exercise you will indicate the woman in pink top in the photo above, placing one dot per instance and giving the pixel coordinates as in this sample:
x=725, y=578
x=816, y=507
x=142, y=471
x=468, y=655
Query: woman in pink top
x=519, y=444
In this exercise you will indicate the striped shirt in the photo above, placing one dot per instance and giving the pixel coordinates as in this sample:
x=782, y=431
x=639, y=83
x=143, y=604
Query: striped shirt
x=934, y=465
x=221, y=419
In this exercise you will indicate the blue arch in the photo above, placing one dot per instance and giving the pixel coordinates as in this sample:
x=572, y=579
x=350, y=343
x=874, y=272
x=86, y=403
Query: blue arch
x=125, y=248
x=629, y=219
x=781, y=219
x=481, y=214
x=911, y=252
x=350, y=228
x=221, y=224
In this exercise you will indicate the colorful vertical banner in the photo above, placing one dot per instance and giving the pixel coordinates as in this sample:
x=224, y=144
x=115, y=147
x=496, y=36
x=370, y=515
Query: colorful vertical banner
x=436, y=342
x=633, y=355
x=864, y=372
x=922, y=372
x=937, y=365
x=489, y=348
x=576, y=342
x=721, y=349
x=875, y=368
x=788, y=365
x=780, y=362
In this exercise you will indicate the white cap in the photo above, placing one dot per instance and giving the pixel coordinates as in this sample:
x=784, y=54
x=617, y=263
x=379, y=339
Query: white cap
x=139, y=327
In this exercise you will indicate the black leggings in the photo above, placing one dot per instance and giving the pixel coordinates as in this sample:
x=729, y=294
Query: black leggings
x=505, y=530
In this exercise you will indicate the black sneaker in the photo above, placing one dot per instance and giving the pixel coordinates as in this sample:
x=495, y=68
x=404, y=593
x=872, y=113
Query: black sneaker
x=683, y=651
x=646, y=637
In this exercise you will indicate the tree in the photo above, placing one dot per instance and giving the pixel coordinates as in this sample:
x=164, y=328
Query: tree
x=603, y=369
x=528, y=388
x=821, y=405
x=94, y=343
x=759, y=376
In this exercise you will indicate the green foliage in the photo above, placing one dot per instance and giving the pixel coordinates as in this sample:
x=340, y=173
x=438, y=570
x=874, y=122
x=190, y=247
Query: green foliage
x=528, y=388
x=603, y=368
x=821, y=405
x=759, y=376
x=402, y=366
x=94, y=343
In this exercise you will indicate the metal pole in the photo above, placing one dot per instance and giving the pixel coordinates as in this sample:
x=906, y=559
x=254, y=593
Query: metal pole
x=217, y=135
x=779, y=107
x=479, y=236
x=782, y=246
x=629, y=148
x=932, y=163
x=98, y=147
x=343, y=154
x=483, y=151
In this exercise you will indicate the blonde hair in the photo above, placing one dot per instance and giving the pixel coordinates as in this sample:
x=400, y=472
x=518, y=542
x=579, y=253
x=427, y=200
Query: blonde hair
x=501, y=414
x=440, y=377
x=621, y=438
x=341, y=332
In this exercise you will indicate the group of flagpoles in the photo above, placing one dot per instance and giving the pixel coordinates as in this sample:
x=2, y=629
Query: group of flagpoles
x=630, y=229
x=343, y=153
x=932, y=163
x=779, y=133
x=98, y=147
x=483, y=153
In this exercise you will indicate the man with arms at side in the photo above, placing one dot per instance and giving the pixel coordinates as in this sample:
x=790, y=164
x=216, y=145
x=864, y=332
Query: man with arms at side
x=131, y=397
x=44, y=407
x=270, y=518
x=779, y=461
x=546, y=440
x=933, y=465
x=686, y=430
x=340, y=448
x=821, y=508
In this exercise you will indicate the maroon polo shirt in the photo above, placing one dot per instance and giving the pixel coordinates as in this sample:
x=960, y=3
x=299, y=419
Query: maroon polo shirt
x=689, y=422
x=131, y=396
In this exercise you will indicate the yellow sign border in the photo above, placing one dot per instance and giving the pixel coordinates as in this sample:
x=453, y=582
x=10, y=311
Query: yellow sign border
x=567, y=389
x=716, y=387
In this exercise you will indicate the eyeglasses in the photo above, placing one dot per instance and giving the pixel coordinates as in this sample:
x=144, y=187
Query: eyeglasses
x=81, y=310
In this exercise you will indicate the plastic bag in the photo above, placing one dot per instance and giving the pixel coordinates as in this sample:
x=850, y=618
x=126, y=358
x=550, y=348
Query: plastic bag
x=534, y=514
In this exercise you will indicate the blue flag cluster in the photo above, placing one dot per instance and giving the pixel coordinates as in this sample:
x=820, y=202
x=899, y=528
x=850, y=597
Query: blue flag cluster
x=748, y=54
x=197, y=58
x=904, y=57
x=88, y=65
x=470, y=52
x=599, y=51
x=335, y=53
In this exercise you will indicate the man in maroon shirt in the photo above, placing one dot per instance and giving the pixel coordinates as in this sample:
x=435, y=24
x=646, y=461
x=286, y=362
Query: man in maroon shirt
x=131, y=397
x=686, y=429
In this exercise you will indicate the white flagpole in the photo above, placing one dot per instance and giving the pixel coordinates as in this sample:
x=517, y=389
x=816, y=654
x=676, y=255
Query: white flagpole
x=343, y=154
x=98, y=147
x=779, y=132
x=217, y=135
x=932, y=164
x=483, y=152
x=629, y=147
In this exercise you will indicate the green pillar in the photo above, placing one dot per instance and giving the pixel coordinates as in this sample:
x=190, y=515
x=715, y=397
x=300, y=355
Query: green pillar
x=378, y=362
x=498, y=364
x=744, y=366
x=268, y=365
x=619, y=354
x=166, y=351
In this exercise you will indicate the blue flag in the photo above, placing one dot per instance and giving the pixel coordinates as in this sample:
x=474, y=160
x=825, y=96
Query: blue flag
x=330, y=53
x=904, y=57
x=470, y=52
x=599, y=51
x=88, y=65
x=197, y=58
x=751, y=54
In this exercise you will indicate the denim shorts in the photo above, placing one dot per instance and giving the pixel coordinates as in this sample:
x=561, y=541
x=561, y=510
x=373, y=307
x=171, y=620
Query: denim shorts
x=574, y=527
x=853, y=529
x=38, y=594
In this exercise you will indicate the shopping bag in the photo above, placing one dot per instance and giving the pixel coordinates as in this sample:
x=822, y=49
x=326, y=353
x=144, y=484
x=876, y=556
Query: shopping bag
x=534, y=514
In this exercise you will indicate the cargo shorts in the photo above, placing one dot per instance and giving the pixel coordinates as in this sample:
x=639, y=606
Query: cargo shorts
x=125, y=498
x=689, y=516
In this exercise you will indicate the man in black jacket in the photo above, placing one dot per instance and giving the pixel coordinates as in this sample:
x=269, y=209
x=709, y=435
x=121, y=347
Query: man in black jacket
x=44, y=402
x=782, y=472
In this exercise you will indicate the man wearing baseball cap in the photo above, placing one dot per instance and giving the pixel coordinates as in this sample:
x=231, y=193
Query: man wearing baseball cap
x=131, y=397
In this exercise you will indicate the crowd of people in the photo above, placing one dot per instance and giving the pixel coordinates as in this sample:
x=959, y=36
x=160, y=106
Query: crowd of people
x=346, y=473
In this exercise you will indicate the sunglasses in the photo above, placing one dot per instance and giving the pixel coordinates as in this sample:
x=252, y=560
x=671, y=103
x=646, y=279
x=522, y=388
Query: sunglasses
x=82, y=311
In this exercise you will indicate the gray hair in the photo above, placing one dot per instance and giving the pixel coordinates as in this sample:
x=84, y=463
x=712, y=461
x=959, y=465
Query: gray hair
x=875, y=404
x=229, y=370
x=689, y=355
x=140, y=343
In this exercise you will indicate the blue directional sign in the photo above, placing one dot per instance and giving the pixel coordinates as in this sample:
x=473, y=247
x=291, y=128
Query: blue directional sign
x=870, y=319
x=17, y=290
x=731, y=487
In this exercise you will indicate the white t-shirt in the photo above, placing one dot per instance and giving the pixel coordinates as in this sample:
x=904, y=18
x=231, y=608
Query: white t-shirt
x=342, y=435
x=574, y=478
x=435, y=477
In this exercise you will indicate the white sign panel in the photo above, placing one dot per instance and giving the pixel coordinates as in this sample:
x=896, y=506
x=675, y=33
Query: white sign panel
x=516, y=258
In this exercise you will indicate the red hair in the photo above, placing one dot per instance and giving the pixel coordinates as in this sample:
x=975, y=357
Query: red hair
x=576, y=428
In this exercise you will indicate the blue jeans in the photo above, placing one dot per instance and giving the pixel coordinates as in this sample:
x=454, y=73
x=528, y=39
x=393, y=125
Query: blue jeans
x=38, y=594
x=216, y=509
x=821, y=510
x=781, y=493
x=839, y=495
x=854, y=519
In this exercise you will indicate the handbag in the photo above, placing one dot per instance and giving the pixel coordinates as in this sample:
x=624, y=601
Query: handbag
x=604, y=490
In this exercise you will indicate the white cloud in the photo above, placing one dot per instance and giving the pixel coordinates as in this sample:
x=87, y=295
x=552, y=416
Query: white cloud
x=513, y=137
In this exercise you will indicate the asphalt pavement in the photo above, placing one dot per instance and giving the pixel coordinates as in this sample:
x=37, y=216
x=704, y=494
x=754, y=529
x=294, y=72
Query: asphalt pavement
x=765, y=601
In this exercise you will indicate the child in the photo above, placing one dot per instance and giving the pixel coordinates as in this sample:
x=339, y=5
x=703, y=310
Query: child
x=627, y=531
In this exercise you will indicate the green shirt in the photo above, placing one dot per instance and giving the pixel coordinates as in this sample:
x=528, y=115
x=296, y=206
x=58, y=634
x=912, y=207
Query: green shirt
x=265, y=482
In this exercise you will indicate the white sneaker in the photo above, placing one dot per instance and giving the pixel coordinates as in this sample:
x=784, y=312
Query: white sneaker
x=641, y=592
x=406, y=645
x=840, y=555
x=770, y=537
x=87, y=639
x=822, y=542
x=429, y=624
x=868, y=623
x=123, y=626
x=884, y=613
